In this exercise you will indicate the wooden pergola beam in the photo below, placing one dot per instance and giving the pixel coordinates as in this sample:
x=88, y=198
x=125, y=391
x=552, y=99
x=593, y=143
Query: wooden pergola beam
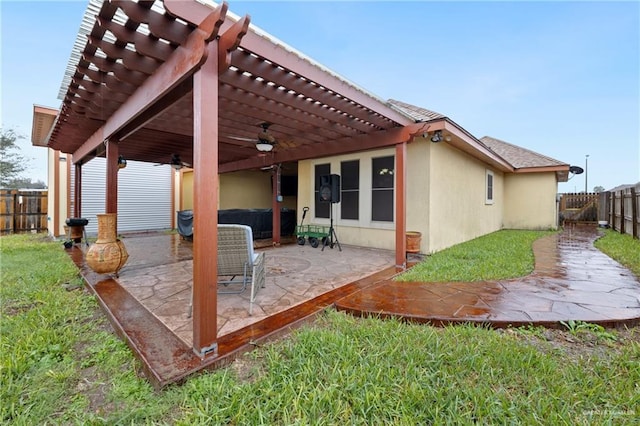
x=380, y=139
x=322, y=77
x=171, y=73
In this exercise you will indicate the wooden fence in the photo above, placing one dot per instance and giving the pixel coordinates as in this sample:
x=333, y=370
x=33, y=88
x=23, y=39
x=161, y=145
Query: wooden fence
x=579, y=207
x=23, y=211
x=621, y=209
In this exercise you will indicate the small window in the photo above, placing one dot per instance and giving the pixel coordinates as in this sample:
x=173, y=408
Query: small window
x=489, y=189
x=321, y=207
x=382, y=189
x=350, y=191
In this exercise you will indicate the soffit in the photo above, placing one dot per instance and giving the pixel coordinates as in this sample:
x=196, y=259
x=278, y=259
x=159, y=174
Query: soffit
x=122, y=43
x=43, y=119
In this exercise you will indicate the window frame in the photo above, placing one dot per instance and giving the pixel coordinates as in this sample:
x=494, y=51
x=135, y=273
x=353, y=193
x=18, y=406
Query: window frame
x=349, y=191
x=380, y=190
x=320, y=206
x=489, y=187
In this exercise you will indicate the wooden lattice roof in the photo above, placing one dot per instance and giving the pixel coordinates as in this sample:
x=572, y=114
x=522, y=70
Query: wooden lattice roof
x=125, y=48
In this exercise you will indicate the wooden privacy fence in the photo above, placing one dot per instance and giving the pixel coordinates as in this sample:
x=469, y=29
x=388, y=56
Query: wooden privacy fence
x=579, y=207
x=621, y=209
x=22, y=211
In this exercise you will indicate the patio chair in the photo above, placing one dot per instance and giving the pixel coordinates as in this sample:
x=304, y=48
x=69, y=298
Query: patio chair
x=238, y=265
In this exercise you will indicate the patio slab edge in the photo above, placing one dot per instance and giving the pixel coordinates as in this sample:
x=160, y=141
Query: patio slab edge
x=165, y=358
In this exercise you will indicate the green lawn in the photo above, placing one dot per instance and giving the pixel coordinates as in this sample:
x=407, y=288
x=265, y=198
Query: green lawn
x=499, y=255
x=624, y=248
x=61, y=364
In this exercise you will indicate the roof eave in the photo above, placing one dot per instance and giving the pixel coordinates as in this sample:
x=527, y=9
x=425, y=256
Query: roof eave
x=561, y=171
x=468, y=143
x=44, y=119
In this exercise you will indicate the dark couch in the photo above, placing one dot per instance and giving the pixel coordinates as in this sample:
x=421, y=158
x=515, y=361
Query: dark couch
x=260, y=221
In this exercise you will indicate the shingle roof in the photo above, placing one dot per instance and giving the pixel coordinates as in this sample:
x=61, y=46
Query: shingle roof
x=517, y=156
x=417, y=113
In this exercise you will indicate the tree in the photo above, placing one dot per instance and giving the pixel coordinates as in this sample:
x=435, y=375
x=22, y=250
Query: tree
x=26, y=183
x=12, y=163
x=598, y=189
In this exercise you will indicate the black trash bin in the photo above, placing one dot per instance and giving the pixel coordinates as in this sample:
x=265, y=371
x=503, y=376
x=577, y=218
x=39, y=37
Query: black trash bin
x=185, y=224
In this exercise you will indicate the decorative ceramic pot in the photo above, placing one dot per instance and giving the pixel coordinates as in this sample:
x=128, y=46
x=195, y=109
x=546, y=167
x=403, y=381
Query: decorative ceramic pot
x=413, y=241
x=108, y=254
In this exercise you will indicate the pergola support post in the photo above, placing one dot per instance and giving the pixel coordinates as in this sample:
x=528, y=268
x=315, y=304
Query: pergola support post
x=275, y=207
x=205, y=204
x=77, y=191
x=401, y=205
x=111, y=201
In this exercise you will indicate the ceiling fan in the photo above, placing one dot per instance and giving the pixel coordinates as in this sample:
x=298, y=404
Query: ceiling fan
x=264, y=142
x=176, y=163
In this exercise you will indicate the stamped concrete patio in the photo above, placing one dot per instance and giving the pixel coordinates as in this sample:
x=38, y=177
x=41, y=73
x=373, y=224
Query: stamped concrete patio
x=148, y=303
x=294, y=274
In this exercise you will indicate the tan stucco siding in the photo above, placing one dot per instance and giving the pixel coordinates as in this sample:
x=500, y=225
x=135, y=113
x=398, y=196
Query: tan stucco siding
x=458, y=208
x=361, y=232
x=58, y=188
x=418, y=189
x=186, y=185
x=239, y=190
x=530, y=201
x=245, y=190
x=305, y=196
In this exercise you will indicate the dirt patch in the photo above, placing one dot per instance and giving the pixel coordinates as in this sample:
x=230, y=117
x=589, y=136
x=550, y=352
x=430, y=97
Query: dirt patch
x=588, y=342
x=92, y=386
x=12, y=307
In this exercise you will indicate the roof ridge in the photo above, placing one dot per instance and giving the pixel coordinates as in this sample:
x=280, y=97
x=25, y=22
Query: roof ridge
x=523, y=148
x=422, y=114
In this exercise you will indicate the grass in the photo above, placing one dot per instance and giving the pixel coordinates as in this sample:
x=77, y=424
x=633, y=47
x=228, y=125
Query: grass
x=622, y=247
x=499, y=255
x=61, y=364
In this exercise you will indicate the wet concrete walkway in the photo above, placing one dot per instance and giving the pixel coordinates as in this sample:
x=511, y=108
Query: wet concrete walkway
x=572, y=280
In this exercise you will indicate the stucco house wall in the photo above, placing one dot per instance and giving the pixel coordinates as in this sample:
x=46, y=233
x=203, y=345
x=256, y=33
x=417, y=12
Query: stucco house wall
x=59, y=191
x=185, y=178
x=238, y=190
x=245, y=190
x=362, y=232
x=446, y=198
x=531, y=201
x=459, y=210
x=419, y=189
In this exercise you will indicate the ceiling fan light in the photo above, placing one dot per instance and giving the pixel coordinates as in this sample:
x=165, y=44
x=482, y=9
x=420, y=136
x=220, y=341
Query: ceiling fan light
x=264, y=146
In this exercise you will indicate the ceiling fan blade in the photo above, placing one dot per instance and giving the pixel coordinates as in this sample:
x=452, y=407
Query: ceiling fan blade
x=238, y=138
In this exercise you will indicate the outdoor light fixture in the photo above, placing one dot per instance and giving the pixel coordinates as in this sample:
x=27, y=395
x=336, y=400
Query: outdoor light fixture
x=264, y=146
x=265, y=141
x=122, y=163
x=437, y=136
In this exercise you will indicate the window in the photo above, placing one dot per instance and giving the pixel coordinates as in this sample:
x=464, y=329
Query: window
x=321, y=207
x=489, y=189
x=382, y=189
x=350, y=191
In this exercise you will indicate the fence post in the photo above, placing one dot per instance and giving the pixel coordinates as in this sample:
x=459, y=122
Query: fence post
x=14, y=203
x=622, y=220
x=634, y=213
x=611, y=212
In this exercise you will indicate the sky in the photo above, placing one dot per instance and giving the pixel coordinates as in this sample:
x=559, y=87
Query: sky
x=558, y=78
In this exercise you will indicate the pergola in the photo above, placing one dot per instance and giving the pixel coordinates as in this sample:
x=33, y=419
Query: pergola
x=154, y=79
